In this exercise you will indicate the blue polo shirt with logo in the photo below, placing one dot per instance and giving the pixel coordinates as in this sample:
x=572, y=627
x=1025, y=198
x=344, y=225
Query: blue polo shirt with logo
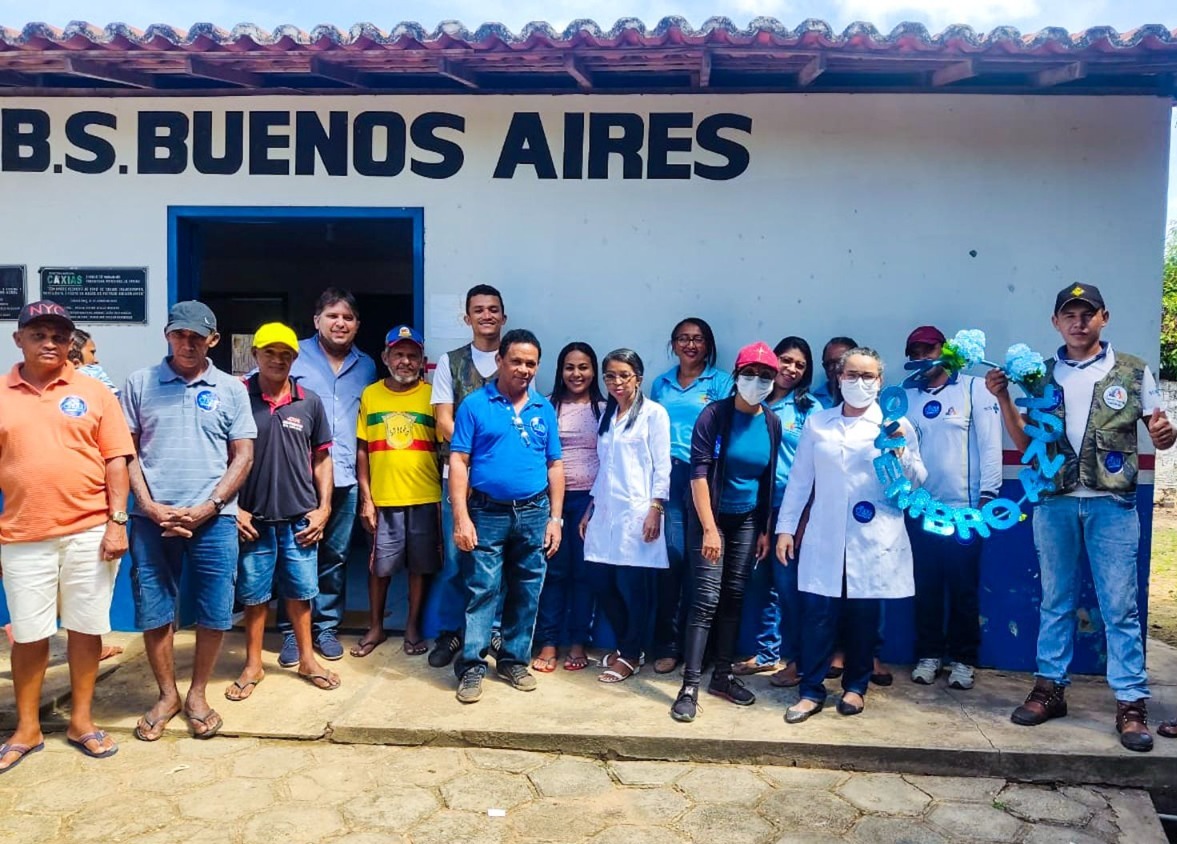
x=509, y=451
x=184, y=429
x=684, y=404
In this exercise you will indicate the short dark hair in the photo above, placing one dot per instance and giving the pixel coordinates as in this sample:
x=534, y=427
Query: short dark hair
x=484, y=290
x=849, y=342
x=704, y=329
x=77, y=341
x=334, y=295
x=518, y=335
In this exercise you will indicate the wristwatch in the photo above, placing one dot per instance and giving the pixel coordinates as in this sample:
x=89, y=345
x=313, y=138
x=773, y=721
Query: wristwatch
x=219, y=503
x=560, y=522
x=119, y=517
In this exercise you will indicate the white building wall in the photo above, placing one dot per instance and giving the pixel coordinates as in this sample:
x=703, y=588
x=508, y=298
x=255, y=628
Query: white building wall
x=859, y=214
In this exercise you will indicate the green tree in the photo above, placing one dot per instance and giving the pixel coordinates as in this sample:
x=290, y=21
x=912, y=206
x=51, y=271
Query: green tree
x=1169, y=308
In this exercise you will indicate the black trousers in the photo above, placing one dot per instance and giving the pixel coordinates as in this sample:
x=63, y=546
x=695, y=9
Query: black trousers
x=821, y=619
x=947, y=606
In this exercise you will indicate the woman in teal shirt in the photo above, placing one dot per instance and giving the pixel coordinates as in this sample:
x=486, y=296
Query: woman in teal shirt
x=684, y=390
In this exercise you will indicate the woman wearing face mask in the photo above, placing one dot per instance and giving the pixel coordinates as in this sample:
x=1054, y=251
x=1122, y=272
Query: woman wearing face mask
x=684, y=390
x=772, y=605
x=566, y=602
x=733, y=466
x=856, y=549
x=623, y=528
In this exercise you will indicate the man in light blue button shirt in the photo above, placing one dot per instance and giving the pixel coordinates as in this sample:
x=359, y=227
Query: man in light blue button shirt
x=332, y=367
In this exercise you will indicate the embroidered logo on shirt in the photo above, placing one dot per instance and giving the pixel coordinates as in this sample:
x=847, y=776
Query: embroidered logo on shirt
x=74, y=406
x=1115, y=397
x=1114, y=462
x=539, y=425
x=398, y=430
x=292, y=422
x=864, y=512
x=207, y=400
x=932, y=409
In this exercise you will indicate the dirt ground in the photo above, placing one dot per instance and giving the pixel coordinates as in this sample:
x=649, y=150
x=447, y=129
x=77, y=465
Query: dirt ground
x=1162, y=593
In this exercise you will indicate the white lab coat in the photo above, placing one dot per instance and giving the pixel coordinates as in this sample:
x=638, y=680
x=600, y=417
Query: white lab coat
x=835, y=461
x=635, y=469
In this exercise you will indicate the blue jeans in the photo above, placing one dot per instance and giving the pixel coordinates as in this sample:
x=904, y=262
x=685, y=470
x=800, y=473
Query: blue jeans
x=670, y=620
x=275, y=557
x=1108, y=528
x=566, y=603
x=508, y=561
x=772, y=609
x=327, y=608
x=624, y=594
x=822, y=619
x=157, y=562
x=447, y=595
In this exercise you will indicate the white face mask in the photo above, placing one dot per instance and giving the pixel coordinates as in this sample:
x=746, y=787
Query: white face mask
x=752, y=389
x=859, y=395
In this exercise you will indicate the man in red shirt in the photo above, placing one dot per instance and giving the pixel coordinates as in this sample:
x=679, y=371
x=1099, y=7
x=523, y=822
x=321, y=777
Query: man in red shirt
x=64, y=446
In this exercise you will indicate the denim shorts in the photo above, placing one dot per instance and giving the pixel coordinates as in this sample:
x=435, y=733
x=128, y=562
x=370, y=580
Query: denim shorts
x=275, y=552
x=158, y=561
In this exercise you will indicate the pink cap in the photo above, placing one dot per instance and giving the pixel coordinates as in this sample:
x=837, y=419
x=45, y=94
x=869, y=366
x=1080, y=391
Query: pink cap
x=757, y=353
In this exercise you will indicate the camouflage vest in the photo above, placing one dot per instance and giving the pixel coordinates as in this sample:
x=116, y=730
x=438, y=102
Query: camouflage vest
x=465, y=379
x=1108, y=460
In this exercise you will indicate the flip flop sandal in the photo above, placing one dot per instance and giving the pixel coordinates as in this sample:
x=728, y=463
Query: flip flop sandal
x=415, y=648
x=576, y=663
x=611, y=676
x=333, y=682
x=23, y=749
x=362, y=649
x=151, y=725
x=544, y=666
x=99, y=736
x=209, y=732
x=242, y=687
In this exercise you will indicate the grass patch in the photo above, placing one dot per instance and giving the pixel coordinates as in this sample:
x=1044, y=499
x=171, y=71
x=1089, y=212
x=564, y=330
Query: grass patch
x=1162, y=589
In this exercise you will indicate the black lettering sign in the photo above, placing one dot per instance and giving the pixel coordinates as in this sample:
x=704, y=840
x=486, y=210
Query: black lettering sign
x=204, y=135
x=708, y=138
x=261, y=142
x=628, y=144
x=364, y=152
x=173, y=142
x=77, y=132
x=424, y=136
x=662, y=143
x=526, y=144
x=12, y=291
x=98, y=294
x=329, y=144
x=574, y=145
x=24, y=140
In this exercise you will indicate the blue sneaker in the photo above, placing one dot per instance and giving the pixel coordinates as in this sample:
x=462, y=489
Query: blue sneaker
x=288, y=656
x=328, y=646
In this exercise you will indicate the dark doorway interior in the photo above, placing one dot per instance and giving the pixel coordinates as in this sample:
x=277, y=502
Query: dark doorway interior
x=252, y=272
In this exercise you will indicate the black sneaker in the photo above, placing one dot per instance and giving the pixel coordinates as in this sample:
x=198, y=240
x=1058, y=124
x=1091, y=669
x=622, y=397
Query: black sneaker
x=495, y=651
x=731, y=688
x=445, y=648
x=470, y=684
x=686, y=705
x=518, y=676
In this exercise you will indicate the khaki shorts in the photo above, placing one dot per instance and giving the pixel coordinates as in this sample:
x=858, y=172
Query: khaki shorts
x=65, y=569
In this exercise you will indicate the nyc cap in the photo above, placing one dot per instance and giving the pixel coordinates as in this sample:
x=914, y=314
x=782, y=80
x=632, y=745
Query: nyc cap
x=43, y=309
x=191, y=316
x=757, y=353
x=276, y=334
x=929, y=335
x=1088, y=293
x=404, y=332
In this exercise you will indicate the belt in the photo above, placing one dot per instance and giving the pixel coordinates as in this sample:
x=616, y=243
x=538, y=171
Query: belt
x=481, y=498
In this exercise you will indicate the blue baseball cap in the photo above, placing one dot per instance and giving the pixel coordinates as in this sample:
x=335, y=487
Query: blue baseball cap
x=404, y=332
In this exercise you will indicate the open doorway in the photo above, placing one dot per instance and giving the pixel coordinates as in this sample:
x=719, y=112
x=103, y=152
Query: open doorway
x=256, y=265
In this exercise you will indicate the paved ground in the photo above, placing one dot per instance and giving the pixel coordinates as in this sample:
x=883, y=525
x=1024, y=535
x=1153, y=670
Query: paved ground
x=252, y=790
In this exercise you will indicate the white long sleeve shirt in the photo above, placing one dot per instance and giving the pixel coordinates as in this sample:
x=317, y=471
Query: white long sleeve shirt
x=852, y=528
x=634, y=470
x=959, y=429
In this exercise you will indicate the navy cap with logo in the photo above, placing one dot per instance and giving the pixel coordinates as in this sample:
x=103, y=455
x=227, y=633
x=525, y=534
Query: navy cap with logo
x=404, y=332
x=1088, y=293
x=191, y=316
x=46, y=310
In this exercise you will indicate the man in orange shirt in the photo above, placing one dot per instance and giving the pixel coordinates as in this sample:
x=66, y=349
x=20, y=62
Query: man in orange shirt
x=64, y=446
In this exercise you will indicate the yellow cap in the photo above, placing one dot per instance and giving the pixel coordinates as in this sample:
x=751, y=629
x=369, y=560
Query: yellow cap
x=276, y=333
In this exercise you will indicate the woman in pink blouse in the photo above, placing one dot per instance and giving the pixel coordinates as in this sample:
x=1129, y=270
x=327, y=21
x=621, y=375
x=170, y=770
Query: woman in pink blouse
x=566, y=603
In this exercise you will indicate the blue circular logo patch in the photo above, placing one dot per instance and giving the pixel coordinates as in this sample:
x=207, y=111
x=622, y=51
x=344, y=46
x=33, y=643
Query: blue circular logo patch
x=1114, y=462
x=932, y=409
x=207, y=401
x=72, y=406
x=538, y=425
x=864, y=512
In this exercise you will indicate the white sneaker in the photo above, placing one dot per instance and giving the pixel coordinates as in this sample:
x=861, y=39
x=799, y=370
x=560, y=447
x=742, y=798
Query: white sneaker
x=925, y=672
x=961, y=676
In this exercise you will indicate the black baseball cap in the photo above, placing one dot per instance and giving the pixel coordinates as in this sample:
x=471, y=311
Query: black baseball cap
x=1088, y=293
x=191, y=316
x=43, y=309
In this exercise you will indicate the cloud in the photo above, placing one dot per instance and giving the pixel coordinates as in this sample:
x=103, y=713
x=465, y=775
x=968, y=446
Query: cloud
x=939, y=13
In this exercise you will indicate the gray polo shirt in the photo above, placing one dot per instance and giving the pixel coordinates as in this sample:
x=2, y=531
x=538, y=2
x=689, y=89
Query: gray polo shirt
x=184, y=429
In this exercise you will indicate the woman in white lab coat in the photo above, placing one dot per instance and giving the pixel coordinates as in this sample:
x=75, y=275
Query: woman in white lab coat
x=623, y=526
x=855, y=550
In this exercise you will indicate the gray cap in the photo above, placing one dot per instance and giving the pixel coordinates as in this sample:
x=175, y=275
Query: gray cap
x=191, y=316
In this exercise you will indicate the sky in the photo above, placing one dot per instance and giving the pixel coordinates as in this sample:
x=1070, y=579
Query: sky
x=982, y=15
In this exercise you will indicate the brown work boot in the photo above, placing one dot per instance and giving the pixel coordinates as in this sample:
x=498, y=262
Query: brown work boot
x=1044, y=702
x=1132, y=725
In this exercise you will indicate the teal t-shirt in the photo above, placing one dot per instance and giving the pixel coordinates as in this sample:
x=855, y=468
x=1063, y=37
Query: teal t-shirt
x=793, y=421
x=746, y=457
x=684, y=404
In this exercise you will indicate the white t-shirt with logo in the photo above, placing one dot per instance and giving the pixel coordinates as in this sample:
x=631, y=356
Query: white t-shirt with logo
x=1078, y=383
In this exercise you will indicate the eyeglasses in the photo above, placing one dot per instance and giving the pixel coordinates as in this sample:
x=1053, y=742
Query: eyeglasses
x=691, y=340
x=865, y=380
x=618, y=377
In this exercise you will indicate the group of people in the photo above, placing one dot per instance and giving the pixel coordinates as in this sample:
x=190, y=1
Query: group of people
x=677, y=513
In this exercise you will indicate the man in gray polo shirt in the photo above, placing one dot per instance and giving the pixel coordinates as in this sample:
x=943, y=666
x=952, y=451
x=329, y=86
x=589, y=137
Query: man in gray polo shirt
x=194, y=433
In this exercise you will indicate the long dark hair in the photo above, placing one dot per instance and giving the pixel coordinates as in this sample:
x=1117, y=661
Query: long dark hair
x=704, y=329
x=631, y=359
x=801, y=396
x=560, y=390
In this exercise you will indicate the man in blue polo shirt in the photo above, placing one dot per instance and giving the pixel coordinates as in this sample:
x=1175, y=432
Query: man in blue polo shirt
x=507, y=490
x=194, y=435
x=330, y=365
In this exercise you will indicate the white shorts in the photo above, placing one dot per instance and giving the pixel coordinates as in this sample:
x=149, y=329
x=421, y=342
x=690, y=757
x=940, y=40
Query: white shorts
x=65, y=569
